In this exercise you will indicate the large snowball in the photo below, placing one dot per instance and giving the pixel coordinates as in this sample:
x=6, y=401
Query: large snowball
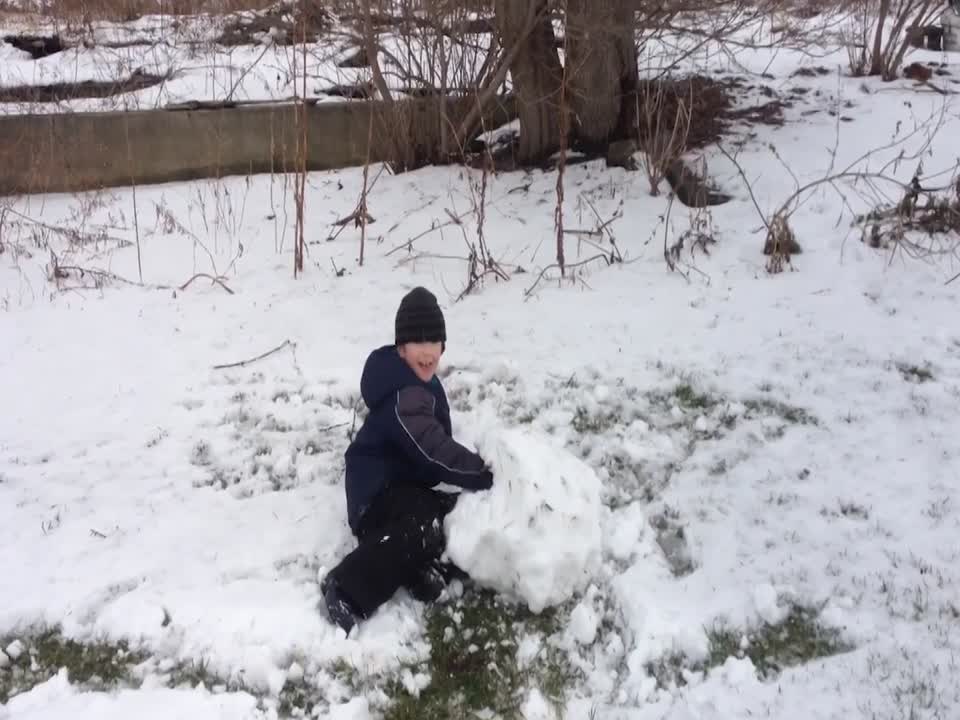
x=536, y=534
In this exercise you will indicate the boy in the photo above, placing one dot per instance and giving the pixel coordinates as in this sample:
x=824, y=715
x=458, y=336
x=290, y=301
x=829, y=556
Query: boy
x=403, y=449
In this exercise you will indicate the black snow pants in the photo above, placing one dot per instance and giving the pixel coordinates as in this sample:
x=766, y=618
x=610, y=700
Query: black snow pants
x=401, y=539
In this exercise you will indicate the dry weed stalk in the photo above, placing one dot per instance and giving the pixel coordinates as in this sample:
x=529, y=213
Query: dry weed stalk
x=779, y=244
x=167, y=224
x=601, y=231
x=562, y=157
x=300, y=185
x=699, y=234
x=480, y=261
x=364, y=216
x=666, y=137
x=91, y=278
x=570, y=266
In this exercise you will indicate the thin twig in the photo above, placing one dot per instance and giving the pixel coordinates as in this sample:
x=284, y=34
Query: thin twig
x=215, y=280
x=408, y=244
x=746, y=182
x=568, y=266
x=268, y=353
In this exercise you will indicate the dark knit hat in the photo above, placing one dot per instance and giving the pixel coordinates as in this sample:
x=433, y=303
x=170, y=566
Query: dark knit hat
x=419, y=318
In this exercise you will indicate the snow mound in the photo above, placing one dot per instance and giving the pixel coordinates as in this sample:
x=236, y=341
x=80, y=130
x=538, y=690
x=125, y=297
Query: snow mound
x=536, y=534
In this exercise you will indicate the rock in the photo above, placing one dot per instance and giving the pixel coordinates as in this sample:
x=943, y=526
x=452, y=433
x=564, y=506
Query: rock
x=620, y=154
x=691, y=189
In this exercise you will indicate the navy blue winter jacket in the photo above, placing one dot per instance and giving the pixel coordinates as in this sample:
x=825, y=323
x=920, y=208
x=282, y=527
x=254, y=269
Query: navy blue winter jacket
x=406, y=438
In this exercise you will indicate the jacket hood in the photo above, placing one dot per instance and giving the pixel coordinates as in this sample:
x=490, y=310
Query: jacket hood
x=384, y=373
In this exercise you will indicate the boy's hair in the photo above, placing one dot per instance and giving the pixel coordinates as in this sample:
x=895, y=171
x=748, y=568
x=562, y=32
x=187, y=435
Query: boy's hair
x=419, y=319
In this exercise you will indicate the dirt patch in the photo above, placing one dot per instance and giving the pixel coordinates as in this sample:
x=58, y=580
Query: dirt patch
x=58, y=92
x=711, y=106
x=770, y=113
x=39, y=46
x=810, y=72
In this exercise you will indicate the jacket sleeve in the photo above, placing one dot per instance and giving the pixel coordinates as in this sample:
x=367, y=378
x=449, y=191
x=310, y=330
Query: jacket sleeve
x=415, y=429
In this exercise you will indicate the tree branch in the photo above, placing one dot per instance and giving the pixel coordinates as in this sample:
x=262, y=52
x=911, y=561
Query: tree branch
x=268, y=353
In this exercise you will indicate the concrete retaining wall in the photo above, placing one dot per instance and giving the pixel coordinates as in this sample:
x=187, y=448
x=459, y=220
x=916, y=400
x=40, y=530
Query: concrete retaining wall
x=71, y=152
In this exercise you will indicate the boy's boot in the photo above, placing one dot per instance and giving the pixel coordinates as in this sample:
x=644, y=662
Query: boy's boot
x=428, y=585
x=338, y=606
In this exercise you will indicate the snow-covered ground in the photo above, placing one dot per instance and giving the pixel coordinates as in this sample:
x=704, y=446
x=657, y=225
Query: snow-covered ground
x=764, y=442
x=182, y=51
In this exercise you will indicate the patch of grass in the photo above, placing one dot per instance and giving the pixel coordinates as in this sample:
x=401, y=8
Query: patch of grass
x=473, y=664
x=191, y=673
x=586, y=423
x=687, y=397
x=300, y=698
x=790, y=413
x=99, y=665
x=848, y=509
x=799, y=638
x=669, y=670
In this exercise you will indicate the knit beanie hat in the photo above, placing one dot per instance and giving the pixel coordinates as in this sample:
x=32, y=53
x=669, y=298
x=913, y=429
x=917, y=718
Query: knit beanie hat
x=419, y=318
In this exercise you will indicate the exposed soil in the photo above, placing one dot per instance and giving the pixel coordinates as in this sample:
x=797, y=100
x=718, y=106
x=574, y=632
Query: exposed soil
x=39, y=46
x=711, y=105
x=59, y=92
x=810, y=72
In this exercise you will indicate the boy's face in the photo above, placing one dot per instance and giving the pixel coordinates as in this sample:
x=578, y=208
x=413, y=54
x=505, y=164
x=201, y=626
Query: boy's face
x=422, y=357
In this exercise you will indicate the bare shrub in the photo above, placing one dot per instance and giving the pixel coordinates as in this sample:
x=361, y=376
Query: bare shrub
x=923, y=225
x=663, y=134
x=877, y=33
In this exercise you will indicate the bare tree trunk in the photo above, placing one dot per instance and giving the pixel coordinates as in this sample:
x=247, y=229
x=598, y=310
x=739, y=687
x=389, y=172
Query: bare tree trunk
x=876, y=63
x=536, y=73
x=602, y=69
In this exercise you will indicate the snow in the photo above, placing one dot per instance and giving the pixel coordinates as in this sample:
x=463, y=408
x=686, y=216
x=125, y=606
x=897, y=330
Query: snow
x=146, y=497
x=536, y=707
x=355, y=709
x=536, y=534
x=584, y=621
x=57, y=698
